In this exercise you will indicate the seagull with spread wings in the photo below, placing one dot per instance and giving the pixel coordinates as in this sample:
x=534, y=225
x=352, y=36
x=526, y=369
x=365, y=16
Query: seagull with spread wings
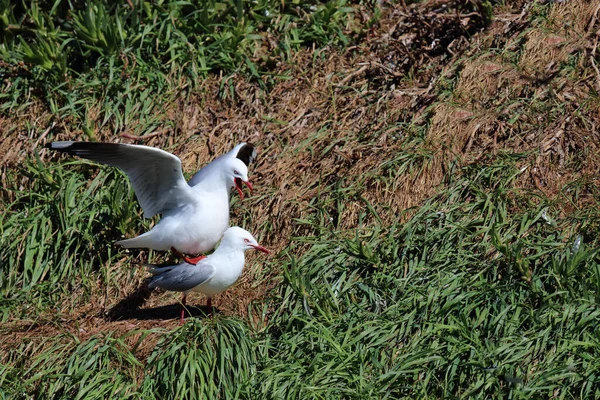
x=195, y=214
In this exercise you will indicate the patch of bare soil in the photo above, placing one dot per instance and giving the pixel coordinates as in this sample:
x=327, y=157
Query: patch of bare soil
x=429, y=65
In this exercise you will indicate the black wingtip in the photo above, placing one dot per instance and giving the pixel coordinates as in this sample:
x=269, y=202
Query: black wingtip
x=247, y=154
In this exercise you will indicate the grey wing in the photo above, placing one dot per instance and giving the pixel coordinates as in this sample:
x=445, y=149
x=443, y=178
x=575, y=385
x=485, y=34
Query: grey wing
x=244, y=151
x=155, y=174
x=182, y=277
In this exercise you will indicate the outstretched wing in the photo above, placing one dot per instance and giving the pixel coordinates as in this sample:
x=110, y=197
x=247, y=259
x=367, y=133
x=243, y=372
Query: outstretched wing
x=155, y=174
x=244, y=151
x=182, y=277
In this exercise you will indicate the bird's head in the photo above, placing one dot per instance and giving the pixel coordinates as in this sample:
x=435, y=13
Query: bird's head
x=241, y=239
x=237, y=173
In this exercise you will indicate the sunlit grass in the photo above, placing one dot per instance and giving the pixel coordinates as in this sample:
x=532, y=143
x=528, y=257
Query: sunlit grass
x=57, y=235
x=433, y=307
x=482, y=290
x=115, y=57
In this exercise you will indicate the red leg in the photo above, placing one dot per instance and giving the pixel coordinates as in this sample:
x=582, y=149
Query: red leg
x=177, y=254
x=182, y=309
x=209, y=305
x=189, y=260
x=193, y=260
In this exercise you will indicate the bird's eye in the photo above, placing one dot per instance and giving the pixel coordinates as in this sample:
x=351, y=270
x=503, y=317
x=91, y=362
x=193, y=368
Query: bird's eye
x=246, y=241
x=235, y=172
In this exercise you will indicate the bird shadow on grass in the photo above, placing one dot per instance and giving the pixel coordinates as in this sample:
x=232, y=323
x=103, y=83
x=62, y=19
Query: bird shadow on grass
x=129, y=308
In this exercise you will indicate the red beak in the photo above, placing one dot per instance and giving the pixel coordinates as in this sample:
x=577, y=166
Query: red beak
x=238, y=187
x=259, y=247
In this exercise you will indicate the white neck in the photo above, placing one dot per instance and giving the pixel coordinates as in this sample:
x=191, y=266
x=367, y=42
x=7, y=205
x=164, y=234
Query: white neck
x=226, y=247
x=231, y=258
x=214, y=183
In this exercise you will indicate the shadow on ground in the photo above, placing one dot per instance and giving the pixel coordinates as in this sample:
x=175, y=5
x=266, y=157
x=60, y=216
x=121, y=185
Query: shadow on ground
x=163, y=313
x=130, y=308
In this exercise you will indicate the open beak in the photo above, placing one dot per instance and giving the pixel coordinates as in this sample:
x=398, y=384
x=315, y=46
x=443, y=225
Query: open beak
x=259, y=247
x=238, y=186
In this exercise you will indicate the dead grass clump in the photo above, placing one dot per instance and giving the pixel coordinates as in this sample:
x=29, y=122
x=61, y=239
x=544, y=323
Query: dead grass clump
x=458, y=132
x=401, y=193
x=40, y=335
x=568, y=28
x=21, y=135
x=574, y=18
x=567, y=152
x=419, y=39
x=544, y=53
x=488, y=81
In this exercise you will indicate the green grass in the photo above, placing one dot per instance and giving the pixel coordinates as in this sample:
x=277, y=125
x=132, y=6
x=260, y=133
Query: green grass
x=55, y=235
x=430, y=308
x=482, y=290
x=74, y=56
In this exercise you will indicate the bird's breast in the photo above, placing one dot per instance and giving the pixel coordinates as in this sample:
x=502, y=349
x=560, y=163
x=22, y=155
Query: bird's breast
x=196, y=228
x=228, y=271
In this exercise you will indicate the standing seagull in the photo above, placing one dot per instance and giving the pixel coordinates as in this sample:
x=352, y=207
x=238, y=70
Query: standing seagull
x=211, y=275
x=194, y=215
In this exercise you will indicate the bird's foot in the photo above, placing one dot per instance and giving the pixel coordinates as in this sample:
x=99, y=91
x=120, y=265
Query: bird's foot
x=189, y=260
x=177, y=254
x=193, y=260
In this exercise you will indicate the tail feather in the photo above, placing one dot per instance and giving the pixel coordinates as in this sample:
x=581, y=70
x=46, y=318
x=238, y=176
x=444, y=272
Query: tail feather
x=145, y=241
x=157, y=269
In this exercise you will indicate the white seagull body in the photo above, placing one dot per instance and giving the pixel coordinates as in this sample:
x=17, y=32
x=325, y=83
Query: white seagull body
x=212, y=274
x=194, y=215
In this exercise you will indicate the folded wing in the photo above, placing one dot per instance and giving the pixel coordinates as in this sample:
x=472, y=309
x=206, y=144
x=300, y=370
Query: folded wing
x=155, y=174
x=182, y=277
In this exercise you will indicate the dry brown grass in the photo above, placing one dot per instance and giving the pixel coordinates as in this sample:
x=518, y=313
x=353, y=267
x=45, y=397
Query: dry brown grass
x=576, y=18
x=569, y=29
x=42, y=333
x=557, y=124
x=488, y=81
x=544, y=52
